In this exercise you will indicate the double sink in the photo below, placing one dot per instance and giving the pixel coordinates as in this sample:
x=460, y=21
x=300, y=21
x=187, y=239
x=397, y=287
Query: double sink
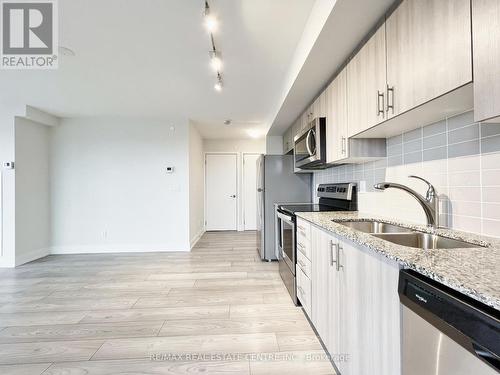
x=406, y=237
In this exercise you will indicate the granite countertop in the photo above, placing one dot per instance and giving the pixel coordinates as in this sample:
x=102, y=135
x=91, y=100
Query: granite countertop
x=472, y=271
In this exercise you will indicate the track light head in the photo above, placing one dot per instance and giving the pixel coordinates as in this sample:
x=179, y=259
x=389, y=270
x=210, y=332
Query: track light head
x=218, y=85
x=211, y=22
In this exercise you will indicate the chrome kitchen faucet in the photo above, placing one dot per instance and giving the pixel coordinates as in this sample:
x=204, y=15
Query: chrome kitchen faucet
x=429, y=203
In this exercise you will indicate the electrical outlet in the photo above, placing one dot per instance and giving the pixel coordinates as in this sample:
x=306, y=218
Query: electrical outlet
x=105, y=234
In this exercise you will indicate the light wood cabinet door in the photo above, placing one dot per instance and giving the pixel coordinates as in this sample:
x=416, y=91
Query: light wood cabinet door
x=354, y=311
x=320, y=269
x=297, y=128
x=486, y=38
x=366, y=80
x=325, y=289
x=369, y=312
x=286, y=141
x=337, y=119
x=305, y=119
x=429, y=51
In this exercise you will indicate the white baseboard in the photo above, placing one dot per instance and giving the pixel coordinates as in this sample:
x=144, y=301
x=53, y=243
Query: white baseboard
x=196, y=238
x=104, y=249
x=5, y=263
x=31, y=255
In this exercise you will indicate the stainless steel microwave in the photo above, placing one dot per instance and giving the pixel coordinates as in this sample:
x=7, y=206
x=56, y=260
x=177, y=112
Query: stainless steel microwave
x=310, y=146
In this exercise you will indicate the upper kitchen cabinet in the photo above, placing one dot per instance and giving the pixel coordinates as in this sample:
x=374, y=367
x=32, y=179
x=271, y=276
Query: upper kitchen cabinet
x=287, y=141
x=366, y=80
x=486, y=39
x=429, y=51
x=336, y=119
x=307, y=116
x=297, y=128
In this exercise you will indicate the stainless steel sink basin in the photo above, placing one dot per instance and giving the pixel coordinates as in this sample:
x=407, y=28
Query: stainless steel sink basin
x=424, y=241
x=375, y=227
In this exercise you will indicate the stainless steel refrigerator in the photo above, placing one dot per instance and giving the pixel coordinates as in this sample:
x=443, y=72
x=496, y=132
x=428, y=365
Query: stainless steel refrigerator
x=276, y=183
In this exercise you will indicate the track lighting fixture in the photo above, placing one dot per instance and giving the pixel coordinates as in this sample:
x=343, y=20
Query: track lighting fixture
x=215, y=55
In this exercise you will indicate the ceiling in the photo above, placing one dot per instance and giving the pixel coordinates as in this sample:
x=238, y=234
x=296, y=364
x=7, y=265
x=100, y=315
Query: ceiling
x=346, y=26
x=150, y=59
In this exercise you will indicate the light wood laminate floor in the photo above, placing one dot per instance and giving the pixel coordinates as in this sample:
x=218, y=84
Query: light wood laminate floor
x=215, y=310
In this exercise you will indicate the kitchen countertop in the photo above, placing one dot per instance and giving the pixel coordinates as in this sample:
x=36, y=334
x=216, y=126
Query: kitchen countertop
x=471, y=271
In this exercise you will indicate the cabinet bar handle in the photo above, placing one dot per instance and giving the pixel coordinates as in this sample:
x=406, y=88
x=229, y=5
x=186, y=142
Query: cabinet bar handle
x=339, y=266
x=390, y=99
x=380, y=108
x=336, y=246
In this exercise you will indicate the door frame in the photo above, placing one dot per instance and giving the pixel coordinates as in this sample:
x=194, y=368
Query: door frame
x=205, y=154
x=243, y=154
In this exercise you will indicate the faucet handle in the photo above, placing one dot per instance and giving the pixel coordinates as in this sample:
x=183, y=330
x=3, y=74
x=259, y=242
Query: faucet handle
x=431, y=192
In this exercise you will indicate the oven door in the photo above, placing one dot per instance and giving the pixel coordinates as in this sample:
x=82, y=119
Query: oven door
x=286, y=240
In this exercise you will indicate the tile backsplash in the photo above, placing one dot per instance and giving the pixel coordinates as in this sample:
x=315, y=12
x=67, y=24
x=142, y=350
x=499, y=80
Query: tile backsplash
x=459, y=157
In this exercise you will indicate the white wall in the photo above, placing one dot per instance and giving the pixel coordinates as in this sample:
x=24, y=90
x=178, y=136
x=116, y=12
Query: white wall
x=239, y=146
x=274, y=145
x=109, y=186
x=32, y=190
x=196, y=184
x=7, y=187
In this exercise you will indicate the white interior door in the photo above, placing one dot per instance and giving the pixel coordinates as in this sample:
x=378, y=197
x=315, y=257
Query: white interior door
x=221, y=192
x=250, y=191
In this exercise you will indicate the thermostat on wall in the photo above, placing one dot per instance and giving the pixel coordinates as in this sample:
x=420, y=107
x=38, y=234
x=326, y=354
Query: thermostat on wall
x=170, y=169
x=8, y=165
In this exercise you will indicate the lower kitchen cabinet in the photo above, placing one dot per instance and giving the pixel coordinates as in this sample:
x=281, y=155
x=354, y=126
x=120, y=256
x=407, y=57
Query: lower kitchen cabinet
x=355, y=305
x=324, y=289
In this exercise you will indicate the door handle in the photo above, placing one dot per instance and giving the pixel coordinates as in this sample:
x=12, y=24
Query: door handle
x=232, y=196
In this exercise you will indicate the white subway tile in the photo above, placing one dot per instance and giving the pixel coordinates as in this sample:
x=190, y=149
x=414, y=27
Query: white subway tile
x=491, y=228
x=491, y=211
x=467, y=163
x=465, y=208
x=490, y=161
x=470, y=194
x=471, y=178
x=465, y=223
x=491, y=177
x=491, y=194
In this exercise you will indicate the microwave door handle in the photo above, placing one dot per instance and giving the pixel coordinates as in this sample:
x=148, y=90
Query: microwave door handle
x=307, y=142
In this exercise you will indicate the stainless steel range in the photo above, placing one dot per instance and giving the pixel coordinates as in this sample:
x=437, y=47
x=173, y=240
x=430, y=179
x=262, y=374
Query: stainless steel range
x=332, y=197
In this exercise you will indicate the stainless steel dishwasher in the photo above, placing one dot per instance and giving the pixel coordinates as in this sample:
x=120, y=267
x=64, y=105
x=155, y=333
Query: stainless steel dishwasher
x=446, y=332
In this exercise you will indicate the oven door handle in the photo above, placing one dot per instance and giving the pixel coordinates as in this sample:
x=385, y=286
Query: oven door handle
x=287, y=218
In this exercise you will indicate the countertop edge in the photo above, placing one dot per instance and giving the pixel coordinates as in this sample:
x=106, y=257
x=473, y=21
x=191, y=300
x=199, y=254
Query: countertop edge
x=403, y=255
